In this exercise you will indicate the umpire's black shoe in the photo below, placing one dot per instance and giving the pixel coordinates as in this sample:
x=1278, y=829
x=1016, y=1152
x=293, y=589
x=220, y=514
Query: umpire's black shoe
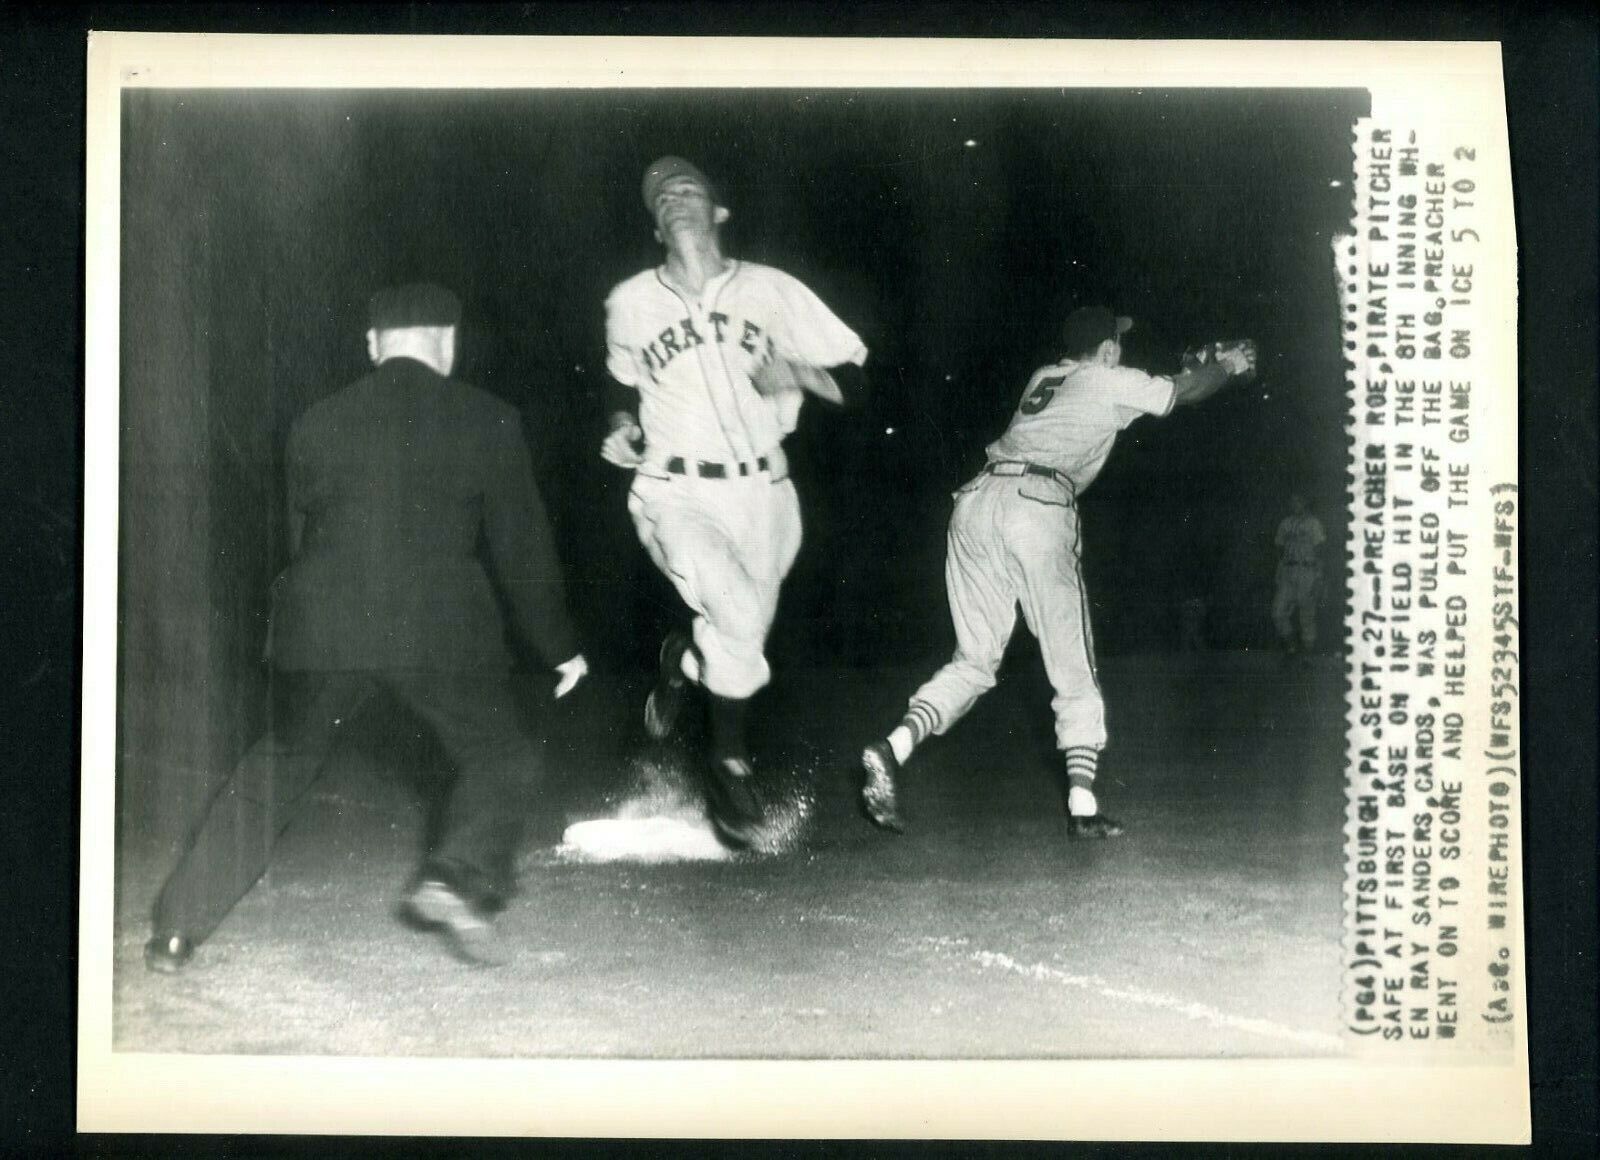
x=168, y=954
x=665, y=704
x=1093, y=826
x=879, y=768
x=731, y=801
x=467, y=928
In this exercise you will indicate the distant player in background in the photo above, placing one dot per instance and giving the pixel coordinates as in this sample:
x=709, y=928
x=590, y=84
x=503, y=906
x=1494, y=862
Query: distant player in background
x=714, y=357
x=1014, y=538
x=1299, y=591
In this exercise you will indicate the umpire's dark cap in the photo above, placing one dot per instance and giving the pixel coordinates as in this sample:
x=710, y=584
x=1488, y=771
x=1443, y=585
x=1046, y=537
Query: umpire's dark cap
x=1088, y=326
x=414, y=304
x=664, y=169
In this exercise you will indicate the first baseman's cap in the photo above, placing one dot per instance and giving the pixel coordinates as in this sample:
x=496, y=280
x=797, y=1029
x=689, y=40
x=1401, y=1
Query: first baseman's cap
x=663, y=170
x=1088, y=326
x=415, y=304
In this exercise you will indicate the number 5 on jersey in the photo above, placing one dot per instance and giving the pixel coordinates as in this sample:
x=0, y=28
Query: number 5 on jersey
x=1039, y=398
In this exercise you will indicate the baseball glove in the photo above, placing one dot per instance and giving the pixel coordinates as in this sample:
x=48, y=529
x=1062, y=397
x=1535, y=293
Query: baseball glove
x=779, y=375
x=1238, y=355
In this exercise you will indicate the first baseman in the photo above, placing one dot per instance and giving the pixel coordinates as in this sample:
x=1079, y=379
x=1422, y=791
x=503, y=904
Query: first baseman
x=1294, y=603
x=1015, y=538
x=716, y=355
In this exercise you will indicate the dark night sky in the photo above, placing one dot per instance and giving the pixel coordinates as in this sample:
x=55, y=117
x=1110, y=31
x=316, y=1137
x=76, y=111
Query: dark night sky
x=952, y=229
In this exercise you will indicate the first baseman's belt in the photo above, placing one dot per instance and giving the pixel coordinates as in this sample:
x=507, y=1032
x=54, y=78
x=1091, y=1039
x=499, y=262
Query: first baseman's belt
x=1017, y=467
x=677, y=465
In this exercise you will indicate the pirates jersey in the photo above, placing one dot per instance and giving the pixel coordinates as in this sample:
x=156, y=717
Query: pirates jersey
x=691, y=358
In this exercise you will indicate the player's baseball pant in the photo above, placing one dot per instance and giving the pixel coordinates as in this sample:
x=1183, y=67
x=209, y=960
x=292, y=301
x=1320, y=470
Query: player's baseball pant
x=726, y=545
x=1296, y=601
x=1016, y=540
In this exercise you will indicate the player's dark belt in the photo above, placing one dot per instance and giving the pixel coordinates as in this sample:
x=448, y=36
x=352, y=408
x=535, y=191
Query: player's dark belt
x=1017, y=467
x=677, y=465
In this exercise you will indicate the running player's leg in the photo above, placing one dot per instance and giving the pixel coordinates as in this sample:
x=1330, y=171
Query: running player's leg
x=768, y=540
x=694, y=537
x=703, y=536
x=764, y=533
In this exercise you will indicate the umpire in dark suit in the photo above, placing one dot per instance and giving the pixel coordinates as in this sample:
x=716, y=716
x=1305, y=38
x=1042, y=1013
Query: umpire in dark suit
x=407, y=492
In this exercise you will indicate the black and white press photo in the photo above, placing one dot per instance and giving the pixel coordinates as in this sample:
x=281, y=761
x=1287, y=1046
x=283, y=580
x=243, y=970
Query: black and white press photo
x=787, y=571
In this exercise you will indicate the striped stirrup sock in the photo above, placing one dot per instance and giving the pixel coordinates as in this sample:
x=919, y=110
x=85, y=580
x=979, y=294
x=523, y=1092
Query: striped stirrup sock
x=1083, y=762
x=912, y=731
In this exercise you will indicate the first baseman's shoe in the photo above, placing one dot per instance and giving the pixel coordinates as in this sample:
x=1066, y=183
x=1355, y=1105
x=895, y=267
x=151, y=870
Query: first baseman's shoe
x=468, y=931
x=1093, y=826
x=879, y=766
x=665, y=704
x=168, y=954
x=731, y=801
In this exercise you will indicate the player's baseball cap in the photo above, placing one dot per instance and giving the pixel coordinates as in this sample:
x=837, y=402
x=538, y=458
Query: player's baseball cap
x=414, y=304
x=664, y=169
x=1088, y=326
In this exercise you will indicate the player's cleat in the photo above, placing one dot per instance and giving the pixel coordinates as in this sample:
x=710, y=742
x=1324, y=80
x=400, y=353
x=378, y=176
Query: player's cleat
x=168, y=954
x=1093, y=826
x=879, y=767
x=731, y=801
x=665, y=704
x=468, y=931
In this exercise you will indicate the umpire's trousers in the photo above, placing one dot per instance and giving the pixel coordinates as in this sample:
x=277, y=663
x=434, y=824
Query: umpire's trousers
x=474, y=718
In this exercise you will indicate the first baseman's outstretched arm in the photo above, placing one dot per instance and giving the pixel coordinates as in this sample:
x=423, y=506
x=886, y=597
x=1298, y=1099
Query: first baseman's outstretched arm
x=1198, y=384
x=1200, y=381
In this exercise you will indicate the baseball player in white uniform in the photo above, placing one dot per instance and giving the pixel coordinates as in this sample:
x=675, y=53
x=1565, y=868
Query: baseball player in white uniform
x=1014, y=539
x=1299, y=540
x=716, y=356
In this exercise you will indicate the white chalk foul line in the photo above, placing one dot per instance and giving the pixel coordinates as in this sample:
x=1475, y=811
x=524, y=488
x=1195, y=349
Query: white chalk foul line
x=1200, y=1012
